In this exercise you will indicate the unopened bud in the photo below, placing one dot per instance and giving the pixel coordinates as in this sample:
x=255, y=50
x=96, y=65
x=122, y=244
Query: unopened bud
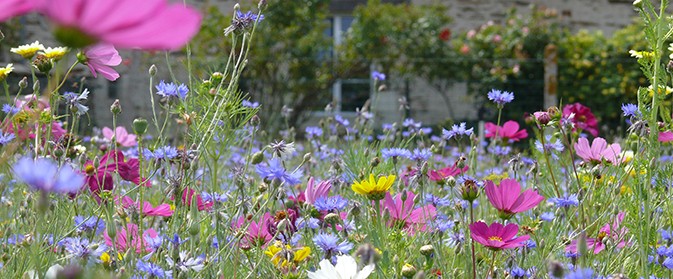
x=427, y=250
x=140, y=126
x=332, y=218
x=255, y=121
x=469, y=191
x=257, y=158
x=375, y=162
x=307, y=157
x=43, y=63
x=116, y=107
x=23, y=83
x=542, y=117
x=556, y=269
x=408, y=270
x=261, y=5
x=194, y=229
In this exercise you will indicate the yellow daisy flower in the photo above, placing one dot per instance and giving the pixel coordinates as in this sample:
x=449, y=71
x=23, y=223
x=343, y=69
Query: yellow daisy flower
x=27, y=51
x=279, y=254
x=55, y=53
x=662, y=90
x=372, y=188
x=4, y=72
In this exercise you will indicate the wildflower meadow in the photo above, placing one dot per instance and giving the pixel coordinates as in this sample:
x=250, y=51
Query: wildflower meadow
x=202, y=190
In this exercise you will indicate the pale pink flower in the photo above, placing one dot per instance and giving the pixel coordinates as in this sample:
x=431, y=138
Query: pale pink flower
x=442, y=174
x=616, y=233
x=128, y=238
x=11, y=8
x=146, y=24
x=509, y=131
x=665, y=136
x=313, y=191
x=403, y=215
x=121, y=136
x=508, y=199
x=257, y=233
x=148, y=210
x=99, y=58
x=598, y=150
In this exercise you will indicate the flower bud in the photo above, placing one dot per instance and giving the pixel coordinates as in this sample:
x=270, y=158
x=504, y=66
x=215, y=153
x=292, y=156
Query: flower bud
x=427, y=250
x=116, y=107
x=408, y=270
x=332, y=218
x=140, y=126
x=556, y=269
x=375, y=162
x=542, y=117
x=469, y=191
x=153, y=70
x=42, y=63
x=255, y=121
x=262, y=4
x=257, y=158
x=23, y=83
x=638, y=4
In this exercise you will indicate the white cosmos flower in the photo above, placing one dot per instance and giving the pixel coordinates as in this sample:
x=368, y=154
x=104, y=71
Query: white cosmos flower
x=346, y=268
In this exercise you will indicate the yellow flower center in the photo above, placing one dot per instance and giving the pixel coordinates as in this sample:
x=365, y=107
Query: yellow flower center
x=495, y=238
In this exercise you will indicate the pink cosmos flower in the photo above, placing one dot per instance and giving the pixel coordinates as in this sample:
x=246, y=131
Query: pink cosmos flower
x=146, y=24
x=148, y=210
x=508, y=199
x=313, y=191
x=616, y=233
x=100, y=178
x=598, y=151
x=509, y=131
x=583, y=117
x=121, y=136
x=257, y=233
x=403, y=215
x=99, y=58
x=123, y=242
x=665, y=136
x=496, y=236
x=11, y=8
x=188, y=195
x=442, y=174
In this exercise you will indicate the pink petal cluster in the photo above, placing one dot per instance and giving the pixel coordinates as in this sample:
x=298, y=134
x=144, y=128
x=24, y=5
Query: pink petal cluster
x=257, y=233
x=616, y=233
x=509, y=131
x=12, y=8
x=188, y=195
x=404, y=215
x=100, y=178
x=314, y=190
x=148, y=210
x=121, y=136
x=665, y=136
x=128, y=238
x=100, y=58
x=598, y=151
x=442, y=174
x=508, y=198
x=583, y=117
x=496, y=236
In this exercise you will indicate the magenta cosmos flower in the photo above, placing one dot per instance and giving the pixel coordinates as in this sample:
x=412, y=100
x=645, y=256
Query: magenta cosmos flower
x=100, y=59
x=598, y=151
x=583, y=118
x=163, y=209
x=146, y=24
x=11, y=8
x=441, y=174
x=129, y=238
x=403, y=214
x=121, y=136
x=615, y=232
x=257, y=233
x=508, y=198
x=665, y=136
x=509, y=131
x=316, y=190
x=496, y=236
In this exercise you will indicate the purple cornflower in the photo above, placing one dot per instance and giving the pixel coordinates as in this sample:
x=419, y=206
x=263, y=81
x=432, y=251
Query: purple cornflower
x=630, y=110
x=518, y=273
x=85, y=224
x=333, y=203
x=154, y=242
x=44, y=175
x=9, y=109
x=437, y=201
x=566, y=201
x=343, y=121
x=248, y=104
x=668, y=263
x=547, y=216
x=395, y=153
x=74, y=101
x=549, y=146
x=6, y=138
x=313, y=132
x=411, y=124
x=421, y=155
x=457, y=131
x=161, y=153
x=378, y=76
x=275, y=170
x=152, y=270
x=498, y=150
x=330, y=245
x=172, y=90
x=82, y=248
x=176, y=240
x=585, y=273
x=185, y=263
x=500, y=97
x=213, y=197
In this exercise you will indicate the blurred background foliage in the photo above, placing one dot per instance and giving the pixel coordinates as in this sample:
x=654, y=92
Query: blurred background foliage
x=295, y=62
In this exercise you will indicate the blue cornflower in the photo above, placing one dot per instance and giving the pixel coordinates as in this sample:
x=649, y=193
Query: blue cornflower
x=585, y=273
x=668, y=263
x=395, y=153
x=162, y=153
x=275, y=170
x=248, y=17
x=85, y=224
x=249, y=104
x=312, y=223
x=44, y=175
x=172, y=90
x=500, y=97
x=547, y=216
x=549, y=146
x=666, y=235
x=378, y=76
x=333, y=203
x=411, y=124
x=330, y=245
x=15, y=239
x=9, y=109
x=152, y=270
x=457, y=131
x=74, y=101
x=438, y=201
x=421, y=155
x=154, y=242
x=6, y=138
x=498, y=150
x=566, y=201
x=343, y=121
x=176, y=240
x=313, y=132
x=213, y=197
x=82, y=247
x=630, y=110
x=518, y=273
